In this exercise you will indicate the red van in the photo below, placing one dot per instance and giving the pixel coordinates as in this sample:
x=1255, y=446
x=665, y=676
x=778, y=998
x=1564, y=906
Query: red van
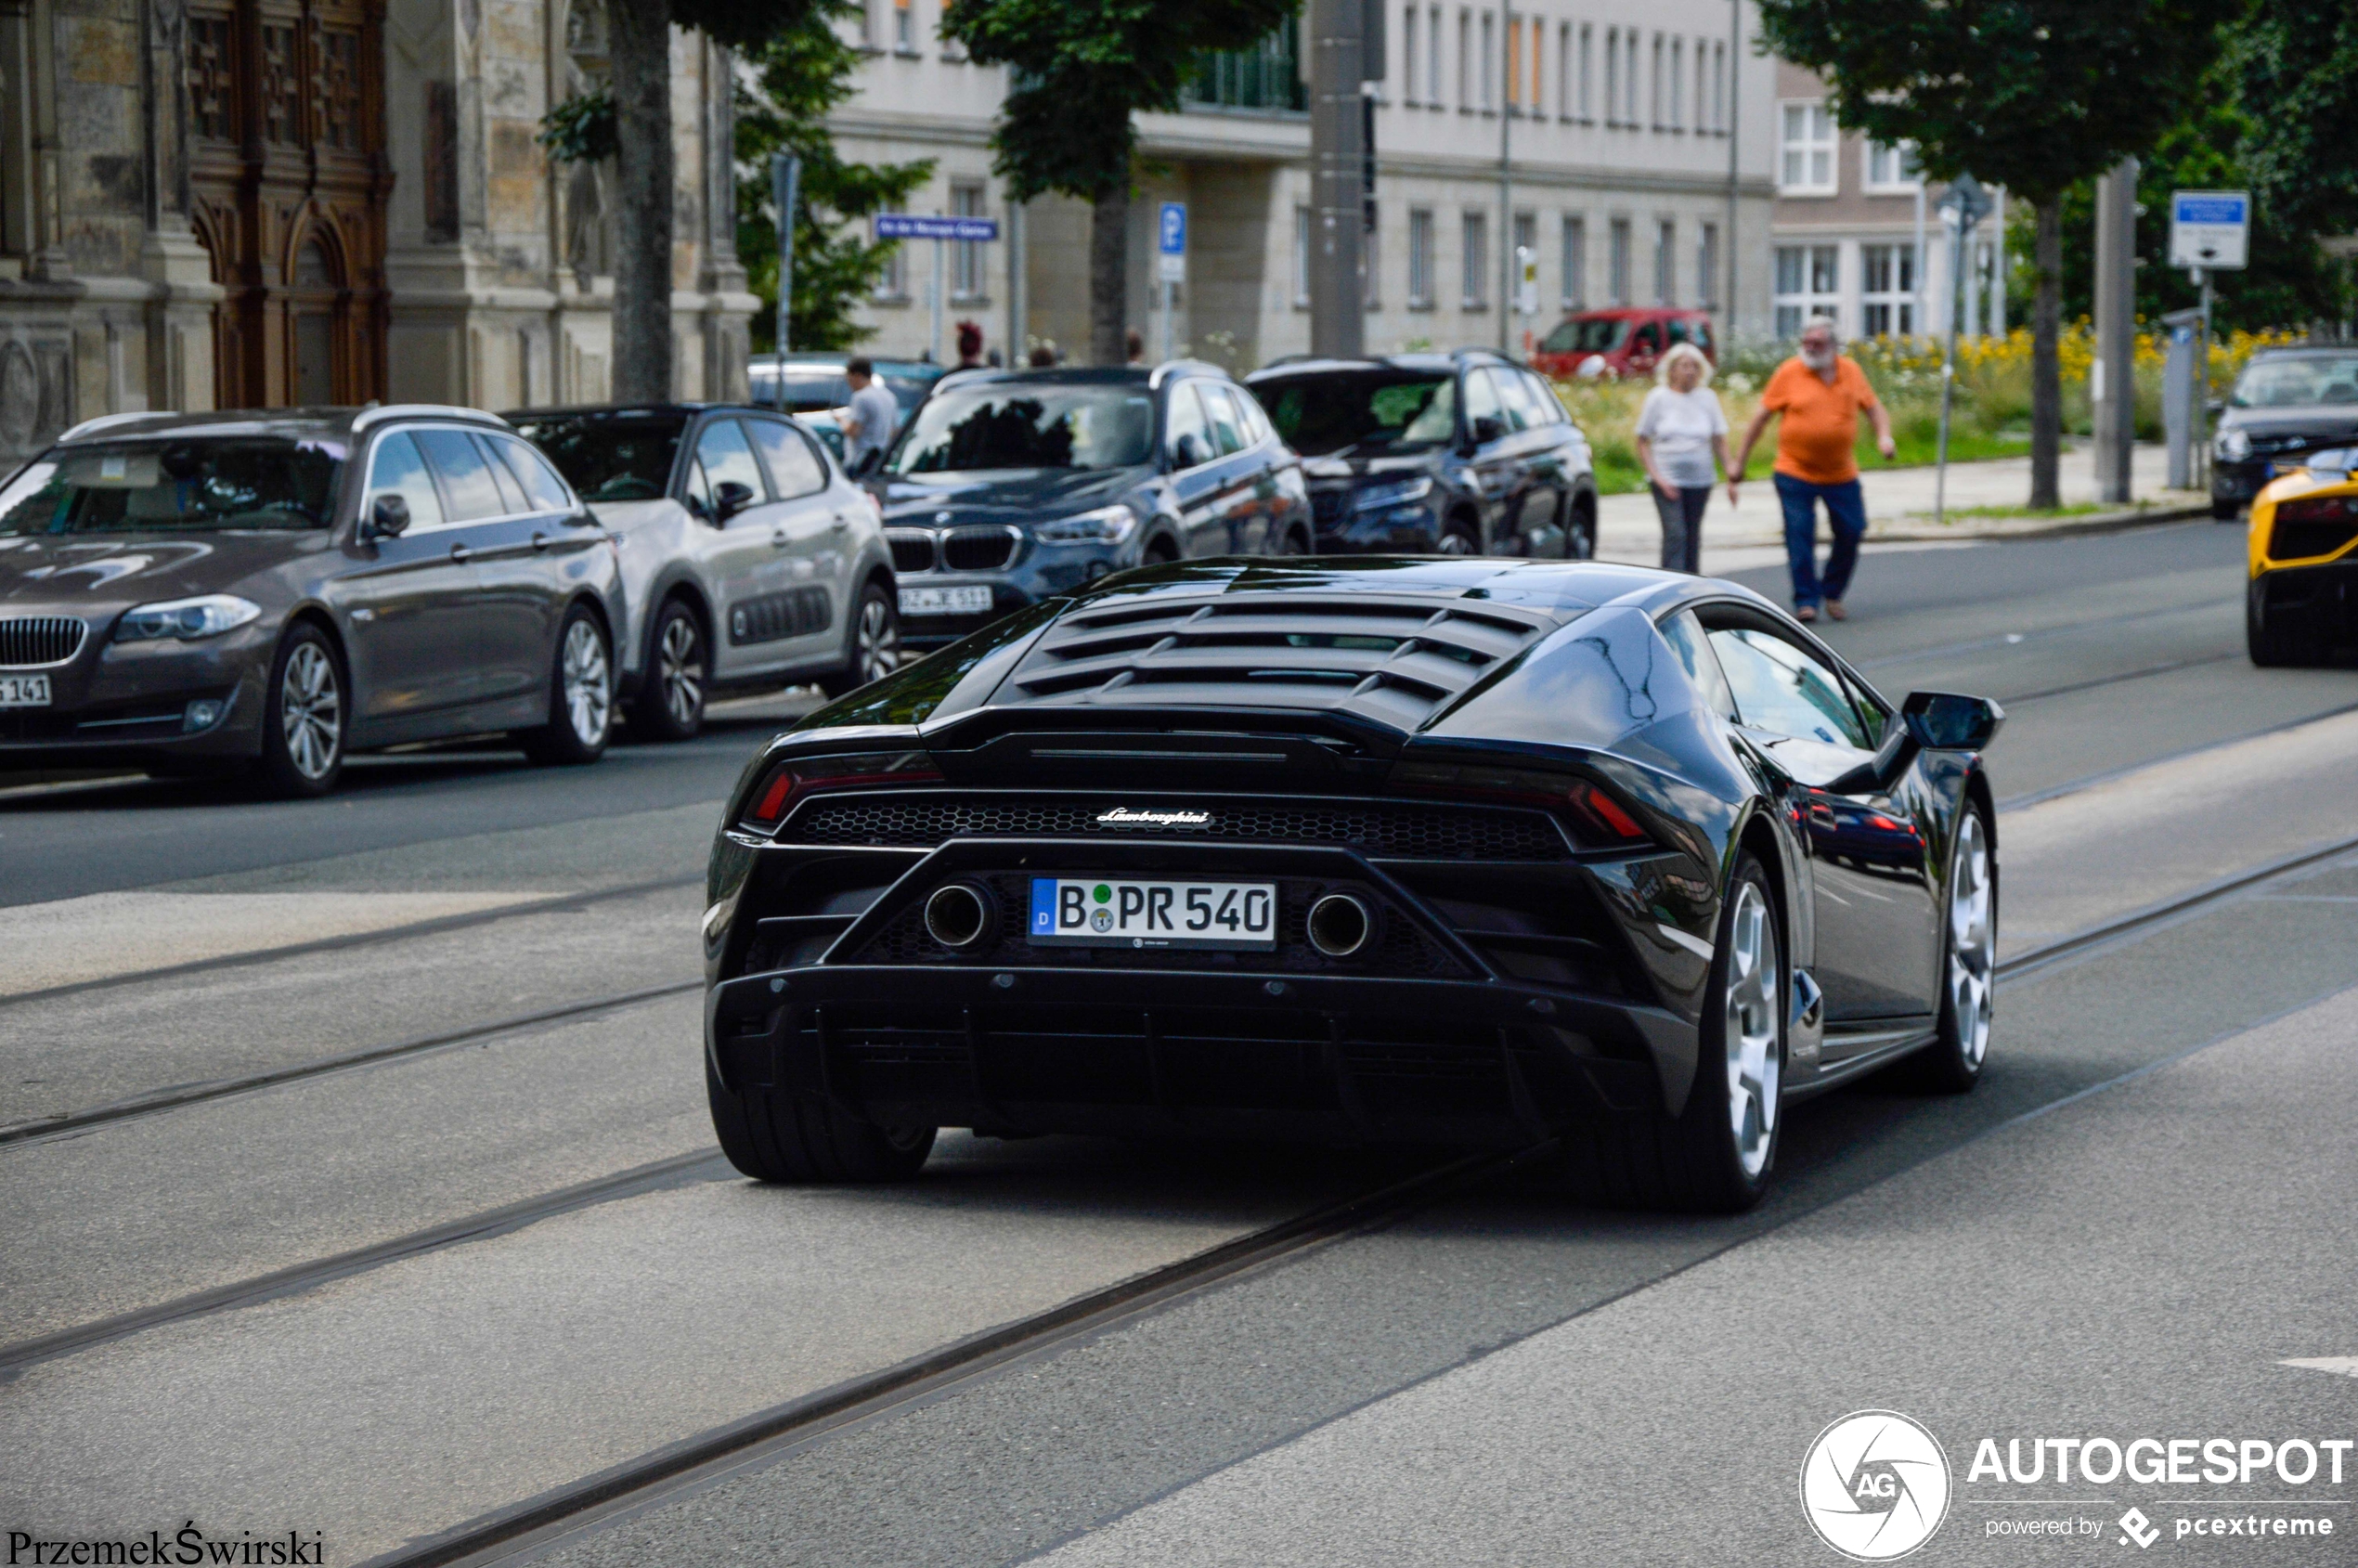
x=1620, y=342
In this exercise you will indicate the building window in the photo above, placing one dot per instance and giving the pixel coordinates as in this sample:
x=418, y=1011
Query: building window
x=904, y=27
x=1887, y=290
x=1489, y=62
x=1629, y=78
x=1588, y=109
x=1890, y=168
x=1612, y=77
x=1302, y=258
x=1408, y=56
x=965, y=263
x=1720, y=88
x=1653, y=96
x=1563, y=71
x=1575, y=263
x=1474, y=253
x=1707, y=267
x=1419, y=259
x=1514, y=65
x=1702, y=102
x=1465, y=62
x=1665, y=263
x=1807, y=167
x=1809, y=283
x=1617, y=262
x=1526, y=248
x=1678, y=116
x=893, y=284
x=1432, y=57
x=1539, y=59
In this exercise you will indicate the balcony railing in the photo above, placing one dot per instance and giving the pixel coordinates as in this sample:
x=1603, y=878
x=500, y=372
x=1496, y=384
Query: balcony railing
x=1265, y=78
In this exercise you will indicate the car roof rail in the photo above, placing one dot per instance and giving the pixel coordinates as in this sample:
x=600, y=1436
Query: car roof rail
x=107, y=421
x=383, y=411
x=1190, y=367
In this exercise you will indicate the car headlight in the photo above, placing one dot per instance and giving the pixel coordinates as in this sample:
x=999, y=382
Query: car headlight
x=1108, y=525
x=185, y=618
x=1399, y=492
x=2235, y=444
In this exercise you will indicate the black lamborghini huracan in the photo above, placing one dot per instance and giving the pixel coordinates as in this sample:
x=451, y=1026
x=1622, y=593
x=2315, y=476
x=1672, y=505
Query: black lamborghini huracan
x=1456, y=850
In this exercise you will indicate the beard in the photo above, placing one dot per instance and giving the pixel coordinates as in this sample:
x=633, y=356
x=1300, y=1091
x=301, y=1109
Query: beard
x=1818, y=359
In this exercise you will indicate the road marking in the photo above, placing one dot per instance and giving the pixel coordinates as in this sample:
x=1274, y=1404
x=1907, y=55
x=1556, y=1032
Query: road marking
x=2340, y=1365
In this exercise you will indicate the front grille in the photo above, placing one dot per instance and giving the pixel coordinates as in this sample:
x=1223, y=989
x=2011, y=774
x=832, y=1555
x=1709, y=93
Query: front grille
x=39, y=640
x=912, y=551
x=1328, y=505
x=2301, y=541
x=1409, y=831
x=979, y=549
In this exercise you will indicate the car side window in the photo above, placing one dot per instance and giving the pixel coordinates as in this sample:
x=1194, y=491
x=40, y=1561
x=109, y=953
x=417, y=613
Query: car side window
x=1256, y=421
x=1551, y=411
x=1225, y=428
x=1648, y=340
x=795, y=468
x=1700, y=335
x=727, y=460
x=543, y=490
x=1685, y=635
x=466, y=479
x=1522, y=413
x=511, y=501
x=1482, y=398
x=397, y=469
x=1184, y=421
x=1785, y=689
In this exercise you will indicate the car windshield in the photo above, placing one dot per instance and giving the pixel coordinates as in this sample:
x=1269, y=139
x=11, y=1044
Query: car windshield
x=219, y=482
x=2307, y=381
x=610, y=459
x=1034, y=427
x=1594, y=335
x=801, y=389
x=1320, y=416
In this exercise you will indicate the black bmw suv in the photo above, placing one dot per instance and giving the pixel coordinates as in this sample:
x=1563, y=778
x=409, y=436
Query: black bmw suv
x=1007, y=486
x=1454, y=454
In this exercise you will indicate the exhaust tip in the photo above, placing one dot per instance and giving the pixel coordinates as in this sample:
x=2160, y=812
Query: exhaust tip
x=959, y=916
x=1339, y=925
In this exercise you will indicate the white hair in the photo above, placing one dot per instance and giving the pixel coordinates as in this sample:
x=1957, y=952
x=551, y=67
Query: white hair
x=1832, y=329
x=1683, y=351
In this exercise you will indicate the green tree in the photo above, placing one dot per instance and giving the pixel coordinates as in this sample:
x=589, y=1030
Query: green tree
x=2034, y=94
x=802, y=75
x=1081, y=70
x=2296, y=66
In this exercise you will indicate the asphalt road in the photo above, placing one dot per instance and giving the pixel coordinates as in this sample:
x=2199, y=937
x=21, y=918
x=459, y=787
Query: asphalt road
x=2129, y=1230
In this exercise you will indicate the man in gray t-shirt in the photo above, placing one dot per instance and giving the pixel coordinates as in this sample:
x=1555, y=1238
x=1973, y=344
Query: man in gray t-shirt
x=869, y=427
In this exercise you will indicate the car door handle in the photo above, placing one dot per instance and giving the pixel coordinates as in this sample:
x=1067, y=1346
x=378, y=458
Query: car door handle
x=778, y=538
x=461, y=553
x=539, y=541
x=840, y=522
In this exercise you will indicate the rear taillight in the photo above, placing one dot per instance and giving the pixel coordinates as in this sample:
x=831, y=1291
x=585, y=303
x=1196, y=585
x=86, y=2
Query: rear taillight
x=1597, y=816
x=789, y=781
x=2318, y=509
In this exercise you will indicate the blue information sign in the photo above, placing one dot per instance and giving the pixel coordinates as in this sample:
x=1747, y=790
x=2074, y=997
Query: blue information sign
x=910, y=226
x=1172, y=229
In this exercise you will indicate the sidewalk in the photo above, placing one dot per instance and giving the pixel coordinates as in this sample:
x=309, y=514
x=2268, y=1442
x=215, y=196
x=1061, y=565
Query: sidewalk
x=1899, y=504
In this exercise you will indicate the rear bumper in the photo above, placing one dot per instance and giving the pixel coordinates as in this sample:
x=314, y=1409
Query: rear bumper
x=2323, y=598
x=1197, y=1053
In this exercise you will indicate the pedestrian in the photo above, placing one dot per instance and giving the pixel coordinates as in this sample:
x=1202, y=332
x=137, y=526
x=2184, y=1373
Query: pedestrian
x=1681, y=433
x=970, y=346
x=1135, y=346
x=1820, y=392
x=868, y=427
x=1043, y=357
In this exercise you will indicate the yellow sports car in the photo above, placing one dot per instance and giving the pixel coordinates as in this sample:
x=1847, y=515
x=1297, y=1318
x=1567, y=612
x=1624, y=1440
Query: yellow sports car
x=2302, y=601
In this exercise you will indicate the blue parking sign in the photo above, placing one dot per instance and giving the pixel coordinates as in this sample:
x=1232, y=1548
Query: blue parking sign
x=1173, y=228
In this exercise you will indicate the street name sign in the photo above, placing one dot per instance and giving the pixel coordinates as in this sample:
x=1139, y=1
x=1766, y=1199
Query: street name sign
x=913, y=226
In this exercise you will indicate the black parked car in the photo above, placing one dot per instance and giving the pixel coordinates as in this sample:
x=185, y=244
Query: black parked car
x=1462, y=454
x=2288, y=403
x=1009, y=486
x=1465, y=851
x=274, y=589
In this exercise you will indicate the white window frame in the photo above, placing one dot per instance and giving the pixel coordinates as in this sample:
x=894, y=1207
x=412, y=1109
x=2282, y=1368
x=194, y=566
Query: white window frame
x=1905, y=179
x=1800, y=171
x=1897, y=296
x=1792, y=307
x=1573, y=236
x=1474, y=259
x=1421, y=258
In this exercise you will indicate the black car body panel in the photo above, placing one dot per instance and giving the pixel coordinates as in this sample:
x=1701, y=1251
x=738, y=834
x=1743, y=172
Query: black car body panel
x=1507, y=765
x=444, y=631
x=980, y=529
x=1510, y=474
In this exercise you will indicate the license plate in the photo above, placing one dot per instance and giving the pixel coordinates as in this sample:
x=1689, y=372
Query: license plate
x=1110, y=911
x=974, y=600
x=24, y=690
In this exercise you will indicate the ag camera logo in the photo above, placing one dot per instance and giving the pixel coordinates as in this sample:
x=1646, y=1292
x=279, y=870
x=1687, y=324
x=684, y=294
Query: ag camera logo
x=1874, y=1486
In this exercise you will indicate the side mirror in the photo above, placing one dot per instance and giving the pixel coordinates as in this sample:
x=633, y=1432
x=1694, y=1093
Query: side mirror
x=1186, y=452
x=1945, y=721
x=1487, y=428
x=388, y=516
x=2214, y=408
x=732, y=497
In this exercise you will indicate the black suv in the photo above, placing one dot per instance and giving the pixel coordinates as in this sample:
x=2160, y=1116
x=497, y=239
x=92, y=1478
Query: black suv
x=1009, y=486
x=1460, y=454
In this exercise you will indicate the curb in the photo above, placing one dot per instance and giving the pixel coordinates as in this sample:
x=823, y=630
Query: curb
x=1917, y=530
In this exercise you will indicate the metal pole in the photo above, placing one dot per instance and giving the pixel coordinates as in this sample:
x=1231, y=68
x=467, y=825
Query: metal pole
x=1957, y=232
x=1338, y=121
x=2202, y=384
x=1507, y=63
x=2113, y=384
x=1169, y=309
x=785, y=189
x=939, y=251
x=1017, y=327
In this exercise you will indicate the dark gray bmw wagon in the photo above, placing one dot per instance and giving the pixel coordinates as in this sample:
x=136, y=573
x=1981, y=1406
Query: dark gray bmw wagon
x=270, y=591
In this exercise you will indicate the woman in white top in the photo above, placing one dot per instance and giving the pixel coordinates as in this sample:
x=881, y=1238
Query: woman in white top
x=1681, y=432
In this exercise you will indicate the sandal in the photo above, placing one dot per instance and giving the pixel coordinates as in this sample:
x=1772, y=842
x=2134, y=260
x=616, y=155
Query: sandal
x=1833, y=608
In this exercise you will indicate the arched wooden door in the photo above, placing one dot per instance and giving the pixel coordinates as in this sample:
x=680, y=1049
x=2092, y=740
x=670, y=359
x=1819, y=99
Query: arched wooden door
x=289, y=177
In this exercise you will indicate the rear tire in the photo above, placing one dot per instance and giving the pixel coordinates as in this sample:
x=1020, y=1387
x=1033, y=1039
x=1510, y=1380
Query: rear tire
x=580, y=696
x=1459, y=536
x=782, y=1136
x=305, y=712
x=2225, y=511
x=1580, y=529
x=1952, y=1063
x=874, y=636
x=670, y=706
x=2272, y=643
x=1714, y=1157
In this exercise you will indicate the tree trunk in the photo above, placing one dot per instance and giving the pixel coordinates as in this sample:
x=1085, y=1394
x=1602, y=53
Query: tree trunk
x=2046, y=369
x=644, y=178
x=1109, y=276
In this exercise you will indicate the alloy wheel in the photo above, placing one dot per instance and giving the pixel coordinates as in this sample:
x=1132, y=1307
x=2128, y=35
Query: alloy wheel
x=680, y=666
x=877, y=653
x=1754, y=988
x=1973, y=942
x=1454, y=543
x=587, y=685
x=311, y=711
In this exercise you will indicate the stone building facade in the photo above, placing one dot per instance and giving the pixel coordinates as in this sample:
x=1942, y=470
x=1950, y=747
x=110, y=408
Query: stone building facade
x=235, y=203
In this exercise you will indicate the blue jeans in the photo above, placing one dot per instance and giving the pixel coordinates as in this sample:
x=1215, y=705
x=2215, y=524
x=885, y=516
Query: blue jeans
x=1845, y=509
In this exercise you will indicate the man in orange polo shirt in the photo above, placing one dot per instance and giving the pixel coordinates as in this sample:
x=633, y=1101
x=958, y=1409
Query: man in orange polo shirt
x=1820, y=392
